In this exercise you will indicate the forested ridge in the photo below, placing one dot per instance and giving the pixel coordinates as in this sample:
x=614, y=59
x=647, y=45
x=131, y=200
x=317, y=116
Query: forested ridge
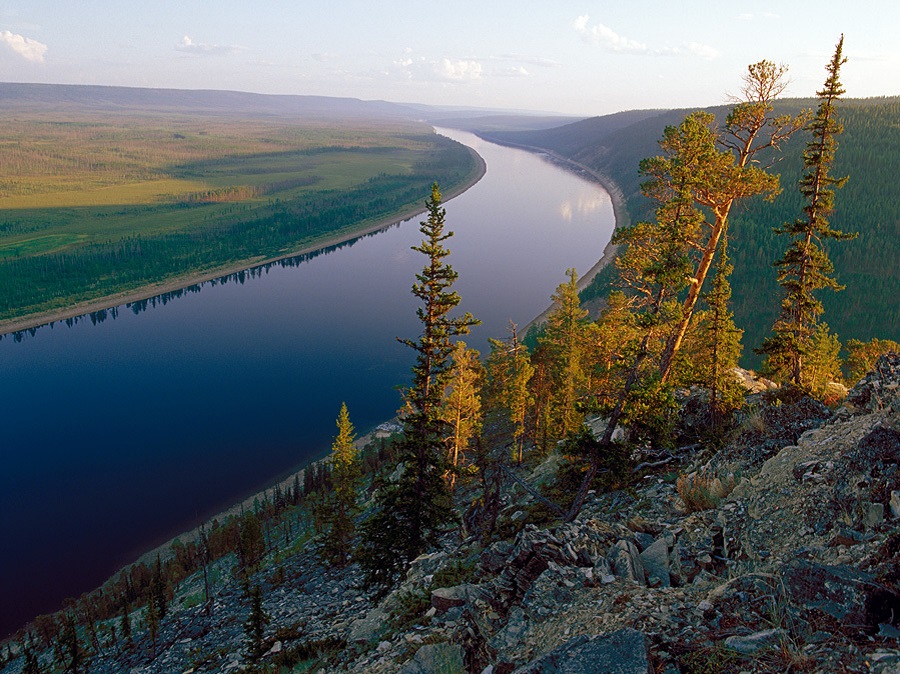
x=868, y=151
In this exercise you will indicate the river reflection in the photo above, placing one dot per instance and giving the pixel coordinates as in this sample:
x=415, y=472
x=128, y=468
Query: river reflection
x=124, y=427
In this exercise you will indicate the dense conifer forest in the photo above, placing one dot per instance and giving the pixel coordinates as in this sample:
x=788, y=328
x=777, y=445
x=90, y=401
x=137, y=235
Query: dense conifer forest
x=868, y=151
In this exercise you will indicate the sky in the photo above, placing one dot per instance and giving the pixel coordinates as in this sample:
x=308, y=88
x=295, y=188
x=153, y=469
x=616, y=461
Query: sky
x=573, y=57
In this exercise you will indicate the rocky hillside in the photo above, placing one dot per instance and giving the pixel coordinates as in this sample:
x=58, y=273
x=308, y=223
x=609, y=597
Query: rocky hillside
x=779, y=553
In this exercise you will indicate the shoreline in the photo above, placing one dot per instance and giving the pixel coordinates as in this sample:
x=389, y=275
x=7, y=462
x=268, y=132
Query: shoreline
x=85, y=307
x=616, y=197
x=286, y=479
x=609, y=253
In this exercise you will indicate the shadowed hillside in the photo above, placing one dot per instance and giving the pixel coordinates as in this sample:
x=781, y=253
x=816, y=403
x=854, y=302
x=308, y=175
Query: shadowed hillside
x=868, y=151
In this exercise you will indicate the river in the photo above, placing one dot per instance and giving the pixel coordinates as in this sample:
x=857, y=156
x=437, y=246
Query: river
x=124, y=428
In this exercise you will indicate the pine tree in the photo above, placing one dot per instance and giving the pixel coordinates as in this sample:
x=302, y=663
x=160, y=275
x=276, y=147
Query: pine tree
x=125, y=622
x=718, y=345
x=158, y=589
x=152, y=618
x=74, y=653
x=341, y=503
x=255, y=626
x=410, y=510
x=251, y=545
x=564, y=340
x=461, y=410
x=719, y=178
x=509, y=372
x=805, y=266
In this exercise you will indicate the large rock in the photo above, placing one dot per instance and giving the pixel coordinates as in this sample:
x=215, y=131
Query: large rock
x=851, y=596
x=625, y=561
x=445, y=598
x=655, y=561
x=369, y=629
x=620, y=652
x=436, y=659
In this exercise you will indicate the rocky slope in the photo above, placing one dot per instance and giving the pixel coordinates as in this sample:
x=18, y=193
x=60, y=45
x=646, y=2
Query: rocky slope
x=797, y=569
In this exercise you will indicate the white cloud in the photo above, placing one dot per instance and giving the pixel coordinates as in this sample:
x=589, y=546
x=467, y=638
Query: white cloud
x=191, y=47
x=28, y=49
x=458, y=70
x=606, y=37
x=704, y=51
x=514, y=71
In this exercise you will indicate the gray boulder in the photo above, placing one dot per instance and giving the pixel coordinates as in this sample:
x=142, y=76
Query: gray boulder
x=625, y=561
x=436, y=659
x=655, y=560
x=621, y=652
x=850, y=596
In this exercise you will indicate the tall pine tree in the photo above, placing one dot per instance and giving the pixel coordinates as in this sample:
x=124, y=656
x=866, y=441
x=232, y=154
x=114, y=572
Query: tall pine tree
x=805, y=266
x=410, y=510
x=462, y=407
x=341, y=506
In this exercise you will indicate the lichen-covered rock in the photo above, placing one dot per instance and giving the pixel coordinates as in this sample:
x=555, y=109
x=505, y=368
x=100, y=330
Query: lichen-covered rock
x=621, y=652
x=849, y=595
x=436, y=659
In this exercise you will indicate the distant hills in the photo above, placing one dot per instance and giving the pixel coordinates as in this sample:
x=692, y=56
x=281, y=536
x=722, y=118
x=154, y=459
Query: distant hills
x=72, y=97
x=868, y=151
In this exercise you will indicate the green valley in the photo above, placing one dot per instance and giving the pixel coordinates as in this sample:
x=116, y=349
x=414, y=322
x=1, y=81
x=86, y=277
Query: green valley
x=102, y=203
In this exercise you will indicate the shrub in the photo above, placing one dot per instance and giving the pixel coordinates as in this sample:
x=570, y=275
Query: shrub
x=700, y=491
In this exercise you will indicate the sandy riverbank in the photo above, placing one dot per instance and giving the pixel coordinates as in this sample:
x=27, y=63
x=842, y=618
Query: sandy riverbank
x=179, y=282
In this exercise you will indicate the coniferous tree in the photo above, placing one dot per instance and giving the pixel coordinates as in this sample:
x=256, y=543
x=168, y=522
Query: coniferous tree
x=255, y=626
x=805, y=266
x=509, y=372
x=74, y=653
x=152, y=619
x=718, y=344
x=720, y=178
x=409, y=511
x=565, y=344
x=125, y=622
x=205, y=559
x=461, y=409
x=341, y=505
x=158, y=589
x=862, y=356
x=251, y=546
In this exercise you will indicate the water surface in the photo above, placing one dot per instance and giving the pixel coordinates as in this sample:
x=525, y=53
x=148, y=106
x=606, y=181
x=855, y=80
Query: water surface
x=127, y=427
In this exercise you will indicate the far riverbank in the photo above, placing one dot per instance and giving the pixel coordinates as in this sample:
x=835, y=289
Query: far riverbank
x=30, y=321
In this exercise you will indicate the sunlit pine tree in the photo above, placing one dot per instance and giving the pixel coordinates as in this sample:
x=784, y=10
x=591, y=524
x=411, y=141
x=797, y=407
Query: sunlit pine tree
x=805, y=266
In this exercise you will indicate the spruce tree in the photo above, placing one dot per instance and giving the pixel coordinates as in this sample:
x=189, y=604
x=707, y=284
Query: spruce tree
x=158, y=589
x=410, y=510
x=152, y=618
x=341, y=503
x=254, y=628
x=805, y=266
x=717, y=345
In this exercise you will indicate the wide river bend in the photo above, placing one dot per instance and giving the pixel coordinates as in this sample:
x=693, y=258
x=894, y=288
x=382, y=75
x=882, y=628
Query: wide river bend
x=124, y=428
